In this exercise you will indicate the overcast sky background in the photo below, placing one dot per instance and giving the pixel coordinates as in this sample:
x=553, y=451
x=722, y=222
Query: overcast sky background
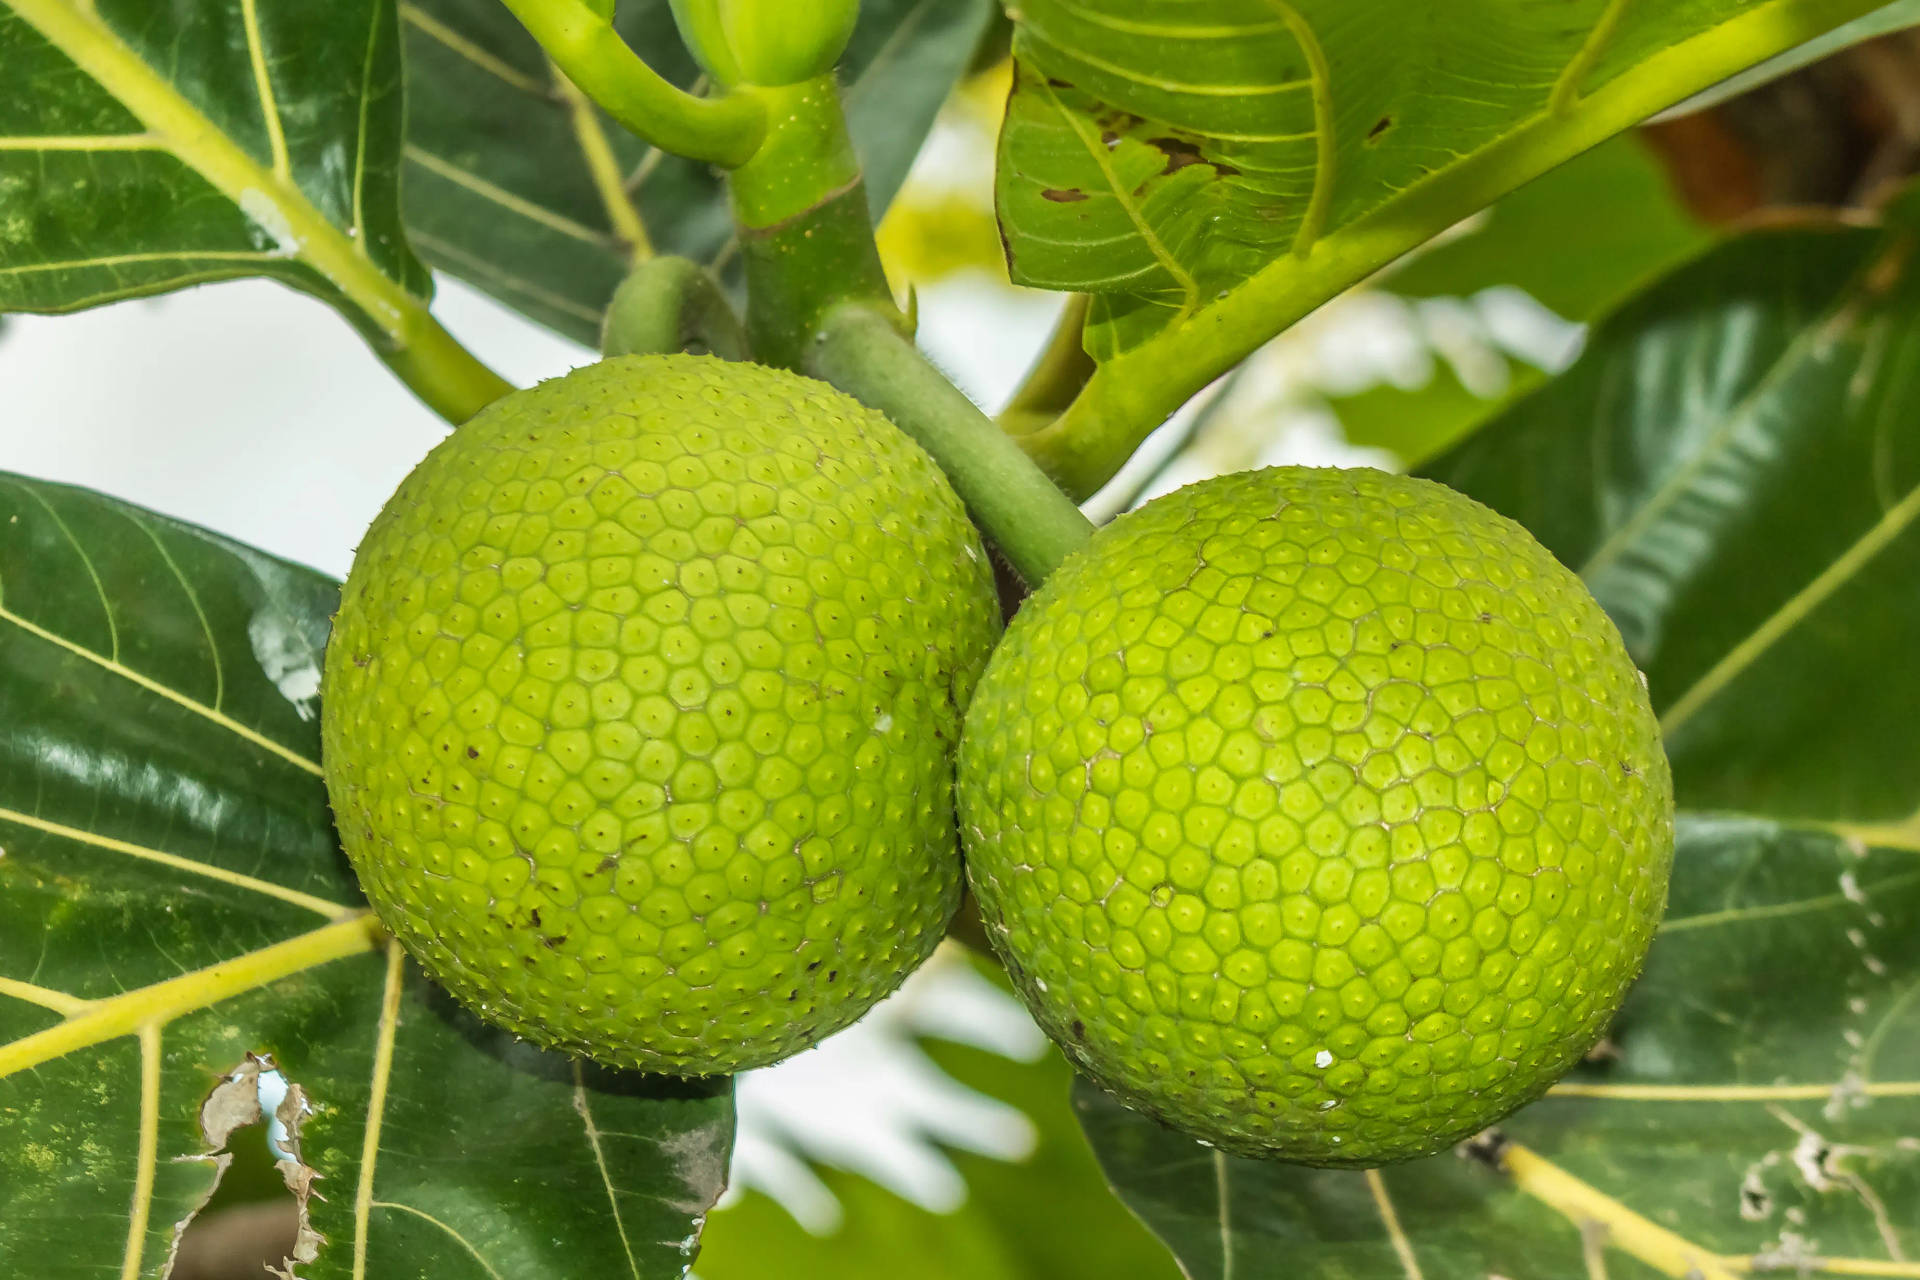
x=256, y=411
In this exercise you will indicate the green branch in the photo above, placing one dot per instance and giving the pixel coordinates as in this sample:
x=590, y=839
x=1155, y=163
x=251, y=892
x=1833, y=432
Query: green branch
x=1034, y=525
x=447, y=377
x=818, y=302
x=583, y=44
x=806, y=238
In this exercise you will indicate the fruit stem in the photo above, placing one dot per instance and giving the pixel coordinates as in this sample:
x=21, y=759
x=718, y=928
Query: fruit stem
x=669, y=304
x=583, y=44
x=818, y=302
x=861, y=351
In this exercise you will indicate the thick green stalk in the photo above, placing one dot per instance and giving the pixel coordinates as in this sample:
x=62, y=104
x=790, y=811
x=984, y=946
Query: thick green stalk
x=806, y=157
x=1035, y=526
x=818, y=302
x=583, y=44
x=799, y=270
x=806, y=239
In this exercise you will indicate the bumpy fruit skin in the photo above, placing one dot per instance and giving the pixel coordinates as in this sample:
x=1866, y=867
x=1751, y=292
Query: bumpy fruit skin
x=639, y=710
x=1318, y=813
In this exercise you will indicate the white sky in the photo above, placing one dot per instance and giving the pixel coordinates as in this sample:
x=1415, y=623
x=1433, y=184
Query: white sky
x=256, y=411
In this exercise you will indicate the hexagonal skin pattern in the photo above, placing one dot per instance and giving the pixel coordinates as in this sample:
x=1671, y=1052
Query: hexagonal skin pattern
x=1319, y=813
x=640, y=705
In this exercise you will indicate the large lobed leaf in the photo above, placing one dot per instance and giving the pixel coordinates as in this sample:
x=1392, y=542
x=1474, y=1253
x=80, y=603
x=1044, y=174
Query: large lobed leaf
x=176, y=919
x=1734, y=464
x=517, y=185
x=1211, y=170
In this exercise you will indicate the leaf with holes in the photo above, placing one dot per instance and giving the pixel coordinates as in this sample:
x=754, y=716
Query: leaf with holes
x=146, y=148
x=517, y=184
x=1734, y=464
x=1212, y=170
x=176, y=921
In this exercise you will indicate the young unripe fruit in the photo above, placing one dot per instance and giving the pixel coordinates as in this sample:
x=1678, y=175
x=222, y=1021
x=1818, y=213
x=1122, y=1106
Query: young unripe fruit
x=1319, y=813
x=639, y=709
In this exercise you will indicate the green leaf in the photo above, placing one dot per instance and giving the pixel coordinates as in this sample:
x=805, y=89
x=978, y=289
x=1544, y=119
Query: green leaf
x=176, y=919
x=1731, y=468
x=1734, y=465
x=516, y=184
x=1579, y=238
x=145, y=148
x=1212, y=171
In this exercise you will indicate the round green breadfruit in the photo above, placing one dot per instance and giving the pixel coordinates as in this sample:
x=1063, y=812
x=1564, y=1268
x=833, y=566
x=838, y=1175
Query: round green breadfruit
x=1318, y=813
x=639, y=711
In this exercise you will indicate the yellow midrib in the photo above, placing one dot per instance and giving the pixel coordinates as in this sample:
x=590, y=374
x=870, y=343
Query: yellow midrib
x=194, y=139
x=154, y=1006
x=261, y=740
x=389, y=1030
x=1638, y=1236
x=1169, y=262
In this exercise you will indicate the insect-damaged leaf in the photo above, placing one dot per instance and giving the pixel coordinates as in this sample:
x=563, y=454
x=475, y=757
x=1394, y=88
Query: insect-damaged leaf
x=175, y=915
x=1212, y=170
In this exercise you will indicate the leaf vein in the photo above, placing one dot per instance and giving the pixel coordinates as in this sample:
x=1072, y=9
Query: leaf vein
x=147, y=1153
x=174, y=696
x=263, y=86
x=463, y=1242
x=473, y=53
x=1793, y=612
x=1565, y=95
x=384, y=1036
x=506, y=199
x=158, y=1003
x=1326, y=154
x=1188, y=285
x=1390, y=1220
x=600, y=1162
x=193, y=599
x=319, y=906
